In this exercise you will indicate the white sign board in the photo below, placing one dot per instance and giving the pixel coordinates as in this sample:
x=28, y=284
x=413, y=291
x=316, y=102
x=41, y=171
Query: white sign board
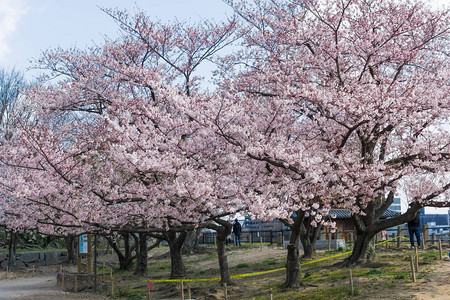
x=83, y=243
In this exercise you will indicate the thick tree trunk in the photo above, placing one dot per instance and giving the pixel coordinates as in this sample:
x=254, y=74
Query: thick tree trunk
x=191, y=242
x=222, y=235
x=175, y=246
x=71, y=246
x=223, y=229
x=12, y=248
x=309, y=248
x=363, y=249
x=308, y=238
x=125, y=259
x=293, y=256
x=142, y=255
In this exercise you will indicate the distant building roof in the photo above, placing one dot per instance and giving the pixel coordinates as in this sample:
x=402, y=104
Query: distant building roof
x=345, y=213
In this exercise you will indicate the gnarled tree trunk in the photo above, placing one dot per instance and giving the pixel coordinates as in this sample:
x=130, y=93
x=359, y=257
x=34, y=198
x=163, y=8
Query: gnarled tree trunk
x=308, y=238
x=142, y=255
x=223, y=229
x=368, y=226
x=12, y=248
x=175, y=246
x=125, y=259
x=293, y=257
x=71, y=246
x=191, y=242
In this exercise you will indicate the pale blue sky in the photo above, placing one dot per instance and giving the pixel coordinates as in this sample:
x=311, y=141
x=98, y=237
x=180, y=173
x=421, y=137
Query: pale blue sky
x=27, y=27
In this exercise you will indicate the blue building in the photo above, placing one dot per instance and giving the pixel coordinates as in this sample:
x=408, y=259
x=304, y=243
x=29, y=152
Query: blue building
x=438, y=223
x=396, y=205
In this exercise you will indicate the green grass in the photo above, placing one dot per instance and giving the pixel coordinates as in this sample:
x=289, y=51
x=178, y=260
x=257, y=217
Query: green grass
x=242, y=265
x=428, y=257
x=270, y=262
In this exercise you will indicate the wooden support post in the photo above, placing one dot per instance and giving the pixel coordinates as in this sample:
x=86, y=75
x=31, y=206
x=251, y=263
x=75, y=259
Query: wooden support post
x=7, y=275
x=412, y=268
x=433, y=237
x=103, y=271
x=225, y=291
x=416, y=249
x=215, y=241
x=76, y=284
x=251, y=238
x=440, y=249
x=33, y=271
x=271, y=294
x=282, y=241
x=329, y=240
x=148, y=294
x=182, y=289
x=95, y=263
x=189, y=292
x=62, y=281
x=60, y=268
x=399, y=233
x=79, y=263
x=260, y=242
x=112, y=283
x=423, y=241
x=89, y=254
x=352, y=291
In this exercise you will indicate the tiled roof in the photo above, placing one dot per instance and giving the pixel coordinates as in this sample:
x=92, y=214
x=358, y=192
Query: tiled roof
x=345, y=213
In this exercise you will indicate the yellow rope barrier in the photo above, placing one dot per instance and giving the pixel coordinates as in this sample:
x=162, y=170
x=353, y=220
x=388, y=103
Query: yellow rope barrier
x=269, y=271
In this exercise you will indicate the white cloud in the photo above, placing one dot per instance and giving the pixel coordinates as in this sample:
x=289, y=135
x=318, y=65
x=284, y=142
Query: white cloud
x=10, y=13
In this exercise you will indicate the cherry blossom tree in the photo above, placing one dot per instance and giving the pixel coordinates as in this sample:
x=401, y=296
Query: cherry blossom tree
x=339, y=100
x=113, y=147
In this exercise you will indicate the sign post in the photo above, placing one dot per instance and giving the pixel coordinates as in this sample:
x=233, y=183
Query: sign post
x=149, y=288
x=82, y=249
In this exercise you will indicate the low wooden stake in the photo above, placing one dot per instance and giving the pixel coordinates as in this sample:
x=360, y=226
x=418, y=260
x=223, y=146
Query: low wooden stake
x=33, y=271
x=352, y=291
x=440, y=249
x=60, y=268
x=417, y=258
x=112, y=283
x=412, y=268
x=271, y=294
x=182, y=289
x=7, y=272
x=423, y=241
x=329, y=241
x=260, y=243
x=189, y=292
x=76, y=284
x=62, y=281
x=225, y=291
x=148, y=294
x=282, y=240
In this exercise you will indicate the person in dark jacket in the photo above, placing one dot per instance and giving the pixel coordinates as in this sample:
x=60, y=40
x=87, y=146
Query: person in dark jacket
x=237, y=229
x=414, y=228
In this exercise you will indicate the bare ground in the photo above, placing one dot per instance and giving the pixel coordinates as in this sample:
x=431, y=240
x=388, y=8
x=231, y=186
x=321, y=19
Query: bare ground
x=23, y=285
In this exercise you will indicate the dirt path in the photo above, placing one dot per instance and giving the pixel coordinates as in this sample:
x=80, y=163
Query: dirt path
x=438, y=286
x=37, y=288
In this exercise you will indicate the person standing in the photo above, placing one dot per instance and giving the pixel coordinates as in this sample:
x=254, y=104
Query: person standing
x=414, y=228
x=237, y=229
